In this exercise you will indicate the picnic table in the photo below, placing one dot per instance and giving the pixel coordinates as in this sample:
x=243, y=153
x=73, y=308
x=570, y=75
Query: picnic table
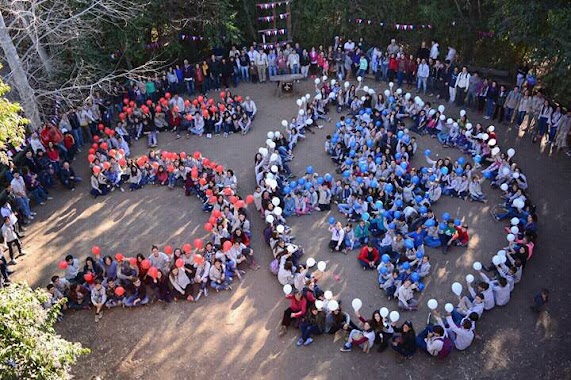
x=285, y=82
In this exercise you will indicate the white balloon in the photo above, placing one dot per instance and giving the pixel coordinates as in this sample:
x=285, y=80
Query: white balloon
x=287, y=289
x=275, y=201
x=366, y=88
x=495, y=151
x=346, y=84
x=310, y=262
x=514, y=221
x=271, y=135
x=501, y=252
x=384, y=312
x=394, y=316
x=277, y=134
x=496, y=260
x=317, y=80
x=319, y=304
x=284, y=122
x=449, y=120
x=442, y=117
x=307, y=97
x=333, y=81
x=328, y=294
x=357, y=304
x=432, y=304
x=407, y=96
x=278, y=211
x=280, y=229
x=504, y=187
x=485, y=136
x=492, y=142
x=399, y=91
x=359, y=79
x=324, y=78
x=449, y=307
x=274, y=157
x=301, y=112
x=371, y=91
x=321, y=265
x=299, y=102
x=515, y=175
x=319, y=96
x=510, y=237
x=363, y=98
x=468, y=133
x=309, y=121
x=272, y=145
x=477, y=266
x=441, y=108
x=514, y=230
x=469, y=126
x=387, y=93
x=332, y=305
x=457, y=288
x=503, y=259
x=274, y=169
x=264, y=152
x=469, y=278
x=511, y=152
x=291, y=248
x=462, y=113
x=491, y=128
x=270, y=218
x=391, y=84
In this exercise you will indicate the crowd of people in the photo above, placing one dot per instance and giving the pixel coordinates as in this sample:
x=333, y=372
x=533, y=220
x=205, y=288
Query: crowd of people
x=103, y=282
x=388, y=204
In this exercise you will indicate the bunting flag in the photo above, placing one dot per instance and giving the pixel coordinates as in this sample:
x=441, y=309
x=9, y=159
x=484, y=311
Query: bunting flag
x=272, y=46
x=273, y=5
x=273, y=32
x=281, y=16
x=187, y=37
x=396, y=26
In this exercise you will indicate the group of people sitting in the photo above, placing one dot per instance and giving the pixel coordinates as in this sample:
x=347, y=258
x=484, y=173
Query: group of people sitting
x=186, y=273
x=390, y=202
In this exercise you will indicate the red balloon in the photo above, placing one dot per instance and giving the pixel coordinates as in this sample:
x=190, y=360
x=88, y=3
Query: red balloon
x=96, y=170
x=205, y=161
x=205, y=113
x=182, y=155
x=119, y=291
x=201, y=98
x=187, y=103
x=175, y=109
x=187, y=248
x=62, y=265
x=233, y=199
x=129, y=111
x=122, y=116
x=96, y=138
x=213, y=109
x=198, y=243
x=240, y=204
x=95, y=250
x=196, y=155
x=179, y=263
x=153, y=273
x=188, y=117
x=104, y=145
x=106, y=165
x=112, y=153
x=170, y=169
x=227, y=245
x=101, y=127
x=213, y=199
x=141, y=162
x=88, y=277
x=131, y=104
x=211, y=101
x=149, y=102
x=145, y=264
x=216, y=213
x=239, y=99
x=91, y=151
x=228, y=191
x=202, y=181
x=94, y=146
x=212, y=220
x=132, y=261
x=158, y=109
x=125, y=101
x=250, y=199
x=208, y=192
x=168, y=95
x=119, y=257
x=222, y=94
x=91, y=158
x=222, y=107
x=198, y=259
x=168, y=249
x=195, y=102
x=208, y=227
x=220, y=168
x=122, y=162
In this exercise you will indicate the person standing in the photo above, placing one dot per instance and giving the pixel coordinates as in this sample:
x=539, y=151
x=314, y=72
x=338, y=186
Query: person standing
x=511, y=103
x=422, y=76
x=462, y=85
x=10, y=239
x=262, y=64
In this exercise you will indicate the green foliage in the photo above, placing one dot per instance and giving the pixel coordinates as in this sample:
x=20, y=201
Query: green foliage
x=12, y=123
x=29, y=345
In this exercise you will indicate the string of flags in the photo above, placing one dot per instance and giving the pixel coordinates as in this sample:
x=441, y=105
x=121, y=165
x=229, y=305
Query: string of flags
x=273, y=32
x=188, y=37
x=272, y=46
x=272, y=5
x=397, y=26
x=281, y=16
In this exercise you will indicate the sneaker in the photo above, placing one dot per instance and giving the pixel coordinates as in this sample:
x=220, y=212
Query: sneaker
x=282, y=331
x=299, y=342
x=33, y=213
x=122, y=190
x=50, y=198
x=97, y=318
x=199, y=295
x=364, y=268
x=345, y=349
x=308, y=342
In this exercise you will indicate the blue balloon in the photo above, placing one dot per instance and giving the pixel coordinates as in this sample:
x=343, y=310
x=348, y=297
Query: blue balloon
x=365, y=216
x=338, y=124
x=286, y=190
x=427, y=152
x=378, y=160
x=415, y=277
x=423, y=210
x=444, y=170
x=461, y=160
x=488, y=175
x=399, y=203
x=442, y=226
x=398, y=214
x=420, y=286
x=398, y=156
x=424, y=170
x=377, y=124
x=415, y=180
x=391, y=99
x=309, y=170
x=378, y=205
x=446, y=216
x=331, y=220
x=369, y=143
x=400, y=134
x=389, y=187
x=457, y=222
x=477, y=159
x=308, y=185
x=328, y=177
x=348, y=161
x=409, y=243
x=347, y=173
x=353, y=144
x=293, y=184
x=374, y=184
x=320, y=180
x=369, y=110
x=369, y=198
x=419, y=255
x=392, y=226
x=359, y=180
x=385, y=258
x=459, y=171
x=406, y=265
x=403, y=165
x=352, y=153
x=418, y=199
x=386, y=214
x=430, y=223
x=432, y=178
x=385, y=112
x=363, y=167
x=301, y=181
x=384, y=270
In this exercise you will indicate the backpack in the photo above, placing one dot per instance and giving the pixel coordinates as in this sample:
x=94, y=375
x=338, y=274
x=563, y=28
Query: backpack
x=447, y=347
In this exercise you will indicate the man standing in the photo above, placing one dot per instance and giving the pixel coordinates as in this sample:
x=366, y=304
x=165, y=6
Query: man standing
x=511, y=103
x=19, y=190
x=10, y=239
x=434, y=52
x=188, y=73
x=422, y=76
x=462, y=84
x=262, y=65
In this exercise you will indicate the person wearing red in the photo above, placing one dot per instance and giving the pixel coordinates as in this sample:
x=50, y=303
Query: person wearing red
x=295, y=312
x=460, y=238
x=369, y=257
x=393, y=66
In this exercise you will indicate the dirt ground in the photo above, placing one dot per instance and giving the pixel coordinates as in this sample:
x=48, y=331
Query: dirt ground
x=234, y=334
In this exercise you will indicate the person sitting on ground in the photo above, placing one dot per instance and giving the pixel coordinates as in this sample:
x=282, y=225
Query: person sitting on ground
x=313, y=324
x=404, y=339
x=369, y=257
x=364, y=339
x=295, y=312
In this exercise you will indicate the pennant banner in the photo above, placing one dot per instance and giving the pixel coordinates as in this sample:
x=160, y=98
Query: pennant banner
x=396, y=26
x=188, y=37
x=281, y=16
x=273, y=32
x=272, y=46
x=272, y=5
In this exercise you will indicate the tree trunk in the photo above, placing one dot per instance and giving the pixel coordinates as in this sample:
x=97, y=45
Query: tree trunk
x=19, y=77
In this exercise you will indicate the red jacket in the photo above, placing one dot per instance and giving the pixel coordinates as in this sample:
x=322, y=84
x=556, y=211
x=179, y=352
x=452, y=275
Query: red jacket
x=462, y=236
x=297, y=307
x=364, y=254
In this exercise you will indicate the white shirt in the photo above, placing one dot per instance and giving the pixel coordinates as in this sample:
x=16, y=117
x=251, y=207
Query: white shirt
x=423, y=70
x=18, y=186
x=349, y=46
x=463, y=80
x=434, y=51
x=464, y=337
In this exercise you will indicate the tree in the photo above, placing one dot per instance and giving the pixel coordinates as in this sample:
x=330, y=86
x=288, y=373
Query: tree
x=12, y=124
x=29, y=345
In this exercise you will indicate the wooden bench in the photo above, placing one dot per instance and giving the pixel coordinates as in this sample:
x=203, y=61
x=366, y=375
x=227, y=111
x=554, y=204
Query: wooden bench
x=285, y=82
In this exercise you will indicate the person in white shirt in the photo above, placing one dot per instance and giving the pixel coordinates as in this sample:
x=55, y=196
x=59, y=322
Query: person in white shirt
x=451, y=54
x=484, y=289
x=10, y=239
x=500, y=288
x=431, y=339
x=349, y=46
x=462, y=84
x=293, y=62
x=250, y=107
x=262, y=65
x=18, y=188
x=462, y=334
x=159, y=260
x=337, y=242
x=405, y=296
x=434, y=52
x=422, y=76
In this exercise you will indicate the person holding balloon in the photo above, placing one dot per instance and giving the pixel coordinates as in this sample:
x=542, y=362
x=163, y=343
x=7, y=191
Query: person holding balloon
x=405, y=296
x=403, y=340
x=313, y=324
x=296, y=310
x=98, y=299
